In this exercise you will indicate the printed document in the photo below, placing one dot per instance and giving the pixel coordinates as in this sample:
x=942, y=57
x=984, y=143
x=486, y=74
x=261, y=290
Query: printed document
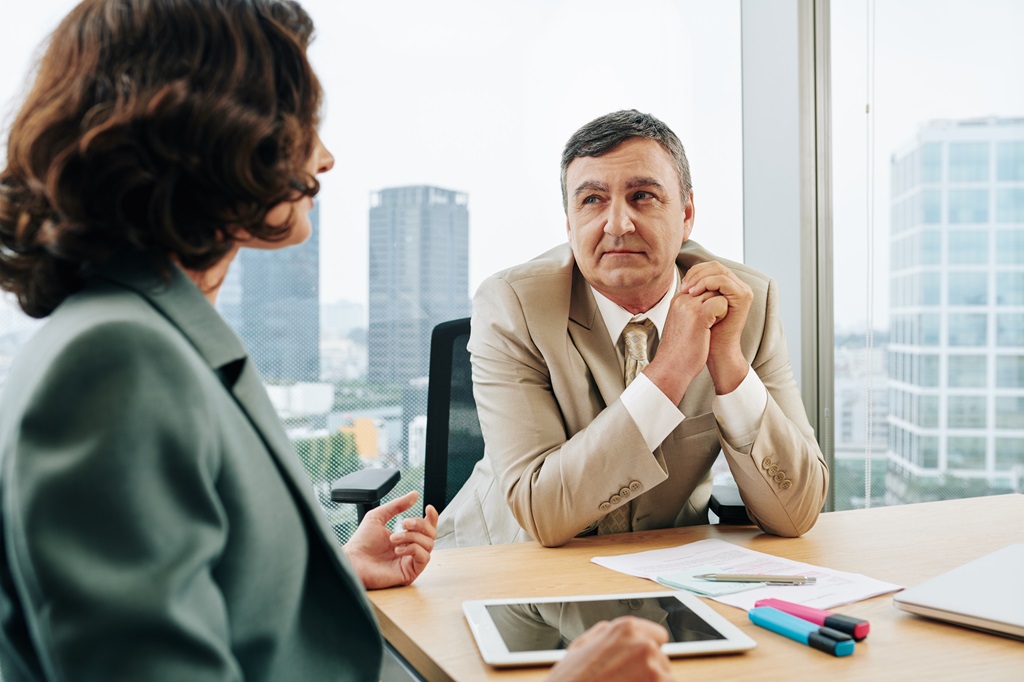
x=674, y=566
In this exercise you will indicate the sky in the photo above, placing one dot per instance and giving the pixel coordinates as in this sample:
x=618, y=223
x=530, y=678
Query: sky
x=480, y=97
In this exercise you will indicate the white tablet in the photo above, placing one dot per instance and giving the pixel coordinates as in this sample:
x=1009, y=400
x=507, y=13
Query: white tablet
x=513, y=632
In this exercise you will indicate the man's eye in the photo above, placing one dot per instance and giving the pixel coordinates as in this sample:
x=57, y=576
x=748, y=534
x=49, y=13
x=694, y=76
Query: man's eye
x=640, y=196
x=590, y=200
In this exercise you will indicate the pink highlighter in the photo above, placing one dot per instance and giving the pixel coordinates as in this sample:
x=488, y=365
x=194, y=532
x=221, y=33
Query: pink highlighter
x=855, y=627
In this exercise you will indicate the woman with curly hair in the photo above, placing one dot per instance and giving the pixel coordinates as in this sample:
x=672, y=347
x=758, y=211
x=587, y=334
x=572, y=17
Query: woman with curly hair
x=155, y=521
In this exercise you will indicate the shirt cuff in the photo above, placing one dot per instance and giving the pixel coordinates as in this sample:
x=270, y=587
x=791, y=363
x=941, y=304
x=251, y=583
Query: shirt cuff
x=739, y=413
x=654, y=414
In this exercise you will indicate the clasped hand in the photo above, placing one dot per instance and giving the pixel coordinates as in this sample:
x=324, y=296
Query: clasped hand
x=704, y=327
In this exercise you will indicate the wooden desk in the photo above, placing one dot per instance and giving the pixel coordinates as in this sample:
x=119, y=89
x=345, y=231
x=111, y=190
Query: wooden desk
x=903, y=545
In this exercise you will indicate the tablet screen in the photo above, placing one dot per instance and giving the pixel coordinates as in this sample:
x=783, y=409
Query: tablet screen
x=553, y=625
x=528, y=631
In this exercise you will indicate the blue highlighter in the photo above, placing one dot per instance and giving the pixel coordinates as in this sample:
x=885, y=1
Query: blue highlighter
x=803, y=631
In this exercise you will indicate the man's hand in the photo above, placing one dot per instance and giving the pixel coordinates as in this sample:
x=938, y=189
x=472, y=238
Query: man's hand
x=624, y=649
x=385, y=559
x=725, y=359
x=686, y=341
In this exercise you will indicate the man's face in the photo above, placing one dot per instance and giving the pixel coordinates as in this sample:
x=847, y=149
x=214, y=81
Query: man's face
x=626, y=219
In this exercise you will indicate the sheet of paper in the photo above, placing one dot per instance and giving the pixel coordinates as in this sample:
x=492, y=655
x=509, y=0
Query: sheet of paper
x=833, y=588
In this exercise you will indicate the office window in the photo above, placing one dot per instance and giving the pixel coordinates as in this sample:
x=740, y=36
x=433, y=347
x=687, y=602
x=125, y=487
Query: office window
x=1010, y=246
x=968, y=371
x=968, y=288
x=968, y=161
x=967, y=329
x=931, y=206
x=929, y=452
x=931, y=247
x=1010, y=329
x=1010, y=288
x=966, y=412
x=1010, y=205
x=929, y=364
x=1009, y=453
x=1010, y=412
x=930, y=329
x=1010, y=160
x=968, y=247
x=930, y=156
x=928, y=411
x=1010, y=371
x=968, y=206
x=966, y=453
x=949, y=171
x=931, y=284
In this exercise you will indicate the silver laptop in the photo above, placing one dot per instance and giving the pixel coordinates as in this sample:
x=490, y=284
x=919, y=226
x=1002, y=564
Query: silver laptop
x=986, y=594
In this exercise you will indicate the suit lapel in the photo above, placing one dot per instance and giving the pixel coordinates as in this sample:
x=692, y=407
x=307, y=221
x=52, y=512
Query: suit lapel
x=590, y=337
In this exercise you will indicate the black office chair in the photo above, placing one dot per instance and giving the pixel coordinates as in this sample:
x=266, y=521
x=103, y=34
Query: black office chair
x=454, y=442
x=453, y=439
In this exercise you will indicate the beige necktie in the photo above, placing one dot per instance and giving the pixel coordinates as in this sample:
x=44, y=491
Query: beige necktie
x=635, y=339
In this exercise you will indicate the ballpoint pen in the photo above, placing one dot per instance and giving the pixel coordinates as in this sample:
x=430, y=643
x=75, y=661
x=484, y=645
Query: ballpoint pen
x=852, y=626
x=823, y=639
x=757, y=578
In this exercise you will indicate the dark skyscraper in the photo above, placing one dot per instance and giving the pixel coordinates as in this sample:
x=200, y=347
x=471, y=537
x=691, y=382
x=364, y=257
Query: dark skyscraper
x=272, y=299
x=419, y=275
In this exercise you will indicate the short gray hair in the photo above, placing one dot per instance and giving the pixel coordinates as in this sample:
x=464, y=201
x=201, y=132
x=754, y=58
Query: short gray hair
x=609, y=131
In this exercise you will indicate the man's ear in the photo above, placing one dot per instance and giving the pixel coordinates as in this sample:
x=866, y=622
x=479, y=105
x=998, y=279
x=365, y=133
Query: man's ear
x=688, y=213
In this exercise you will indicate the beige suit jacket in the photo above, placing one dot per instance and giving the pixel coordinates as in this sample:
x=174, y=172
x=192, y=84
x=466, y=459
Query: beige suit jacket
x=561, y=448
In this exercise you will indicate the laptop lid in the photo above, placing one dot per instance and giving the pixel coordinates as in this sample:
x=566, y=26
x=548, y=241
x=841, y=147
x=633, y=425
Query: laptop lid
x=986, y=594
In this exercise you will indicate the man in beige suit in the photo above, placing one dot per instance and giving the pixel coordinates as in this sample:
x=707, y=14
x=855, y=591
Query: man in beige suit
x=609, y=371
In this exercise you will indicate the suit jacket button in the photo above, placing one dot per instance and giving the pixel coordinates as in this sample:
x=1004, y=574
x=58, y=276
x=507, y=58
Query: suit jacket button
x=786, y=485
x=604, y=506
x=766, y=462
x=636, y=486
x=624, y=493
x=780, y=477
x=615, y=499
x=773, y=469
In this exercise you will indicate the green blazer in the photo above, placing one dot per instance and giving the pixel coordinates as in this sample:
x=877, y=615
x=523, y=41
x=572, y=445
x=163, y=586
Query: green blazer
x=156, y=522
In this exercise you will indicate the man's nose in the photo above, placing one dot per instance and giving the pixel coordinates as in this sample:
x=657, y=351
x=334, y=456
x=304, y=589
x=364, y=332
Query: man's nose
x=620, y=220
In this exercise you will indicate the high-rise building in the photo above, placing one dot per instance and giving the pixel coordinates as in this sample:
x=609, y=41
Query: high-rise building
x=956, y=358
x=419, y=276
x=272, y=300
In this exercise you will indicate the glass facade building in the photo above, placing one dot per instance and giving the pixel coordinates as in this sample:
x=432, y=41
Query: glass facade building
x=272, y=300
x=419, y=276
x=956, y=357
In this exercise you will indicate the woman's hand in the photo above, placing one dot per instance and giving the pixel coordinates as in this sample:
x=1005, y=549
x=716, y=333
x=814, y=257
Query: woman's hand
x=382, y=558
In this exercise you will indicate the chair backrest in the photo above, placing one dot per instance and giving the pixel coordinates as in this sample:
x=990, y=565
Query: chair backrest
x=454, y=443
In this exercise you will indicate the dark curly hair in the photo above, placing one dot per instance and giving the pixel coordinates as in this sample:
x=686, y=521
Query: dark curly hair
x=162, y=126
